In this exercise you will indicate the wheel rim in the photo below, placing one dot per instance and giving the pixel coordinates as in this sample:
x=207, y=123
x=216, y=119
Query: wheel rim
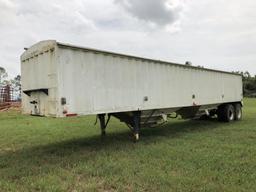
x=239, y=114
x=231, y=115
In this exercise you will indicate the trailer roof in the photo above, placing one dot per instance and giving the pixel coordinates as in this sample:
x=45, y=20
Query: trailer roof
x=140, y=58
x=50, y=43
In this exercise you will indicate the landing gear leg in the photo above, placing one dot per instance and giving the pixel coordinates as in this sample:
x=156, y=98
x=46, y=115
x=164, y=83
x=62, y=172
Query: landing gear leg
x=136, y=125
x=102, y=124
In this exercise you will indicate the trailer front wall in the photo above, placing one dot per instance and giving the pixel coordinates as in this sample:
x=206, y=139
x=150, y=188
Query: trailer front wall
x=38, y=71
x=95, y=82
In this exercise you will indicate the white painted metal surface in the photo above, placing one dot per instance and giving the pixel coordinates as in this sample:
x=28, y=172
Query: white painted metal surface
x=94, y=82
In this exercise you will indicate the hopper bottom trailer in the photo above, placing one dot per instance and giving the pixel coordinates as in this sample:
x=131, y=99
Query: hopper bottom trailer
x=61, y=80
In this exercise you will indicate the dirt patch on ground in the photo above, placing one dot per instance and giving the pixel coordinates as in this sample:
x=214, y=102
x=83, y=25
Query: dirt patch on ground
x=10, y=106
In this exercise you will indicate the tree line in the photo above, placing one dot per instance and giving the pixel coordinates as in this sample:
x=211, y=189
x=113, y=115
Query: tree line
x=249, y=83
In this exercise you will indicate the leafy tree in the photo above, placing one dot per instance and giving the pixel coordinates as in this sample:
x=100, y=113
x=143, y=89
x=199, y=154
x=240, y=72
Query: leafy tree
x=249, y=83
x=17, y=82
x=3, y=75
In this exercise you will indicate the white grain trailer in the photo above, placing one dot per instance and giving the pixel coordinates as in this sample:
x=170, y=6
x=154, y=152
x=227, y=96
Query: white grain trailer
x=61, y=80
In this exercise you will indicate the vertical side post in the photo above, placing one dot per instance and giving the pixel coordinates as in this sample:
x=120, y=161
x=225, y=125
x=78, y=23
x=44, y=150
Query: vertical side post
x=136, y=124
x=102, y=124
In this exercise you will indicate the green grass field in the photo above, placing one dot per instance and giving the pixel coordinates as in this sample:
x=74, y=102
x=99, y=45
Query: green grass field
x=47, y=154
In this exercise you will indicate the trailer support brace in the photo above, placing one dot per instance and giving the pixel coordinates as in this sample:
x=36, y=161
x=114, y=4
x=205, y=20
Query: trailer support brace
x=102, y=124
x=136, y=124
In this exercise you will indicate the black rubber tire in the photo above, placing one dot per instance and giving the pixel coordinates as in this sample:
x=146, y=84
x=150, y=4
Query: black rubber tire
x=238, y=112
x=226, y=113
x=220, y=113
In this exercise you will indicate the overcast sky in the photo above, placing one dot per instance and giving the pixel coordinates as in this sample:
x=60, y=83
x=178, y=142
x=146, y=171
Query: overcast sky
x=216, y=34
